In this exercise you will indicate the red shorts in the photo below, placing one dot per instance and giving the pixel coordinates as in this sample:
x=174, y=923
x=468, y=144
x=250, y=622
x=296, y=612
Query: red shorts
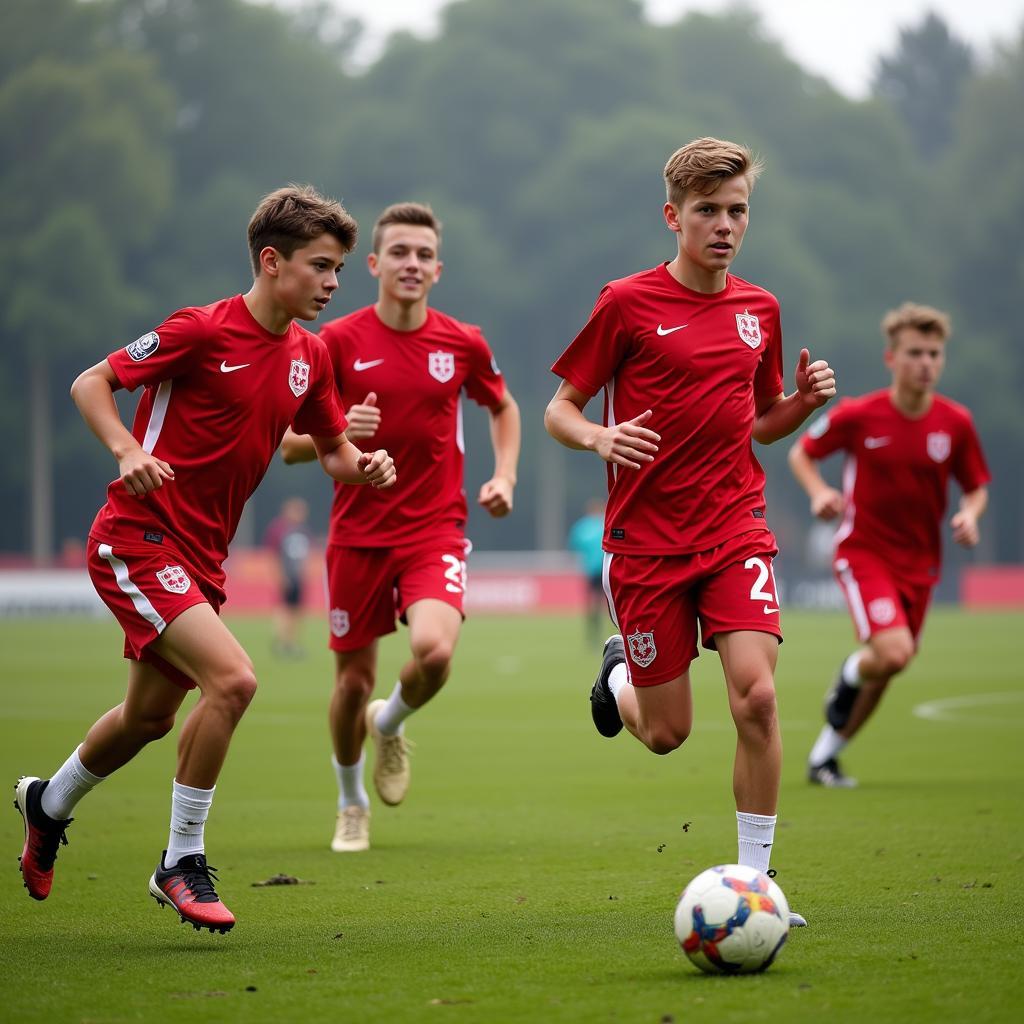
x=878, y=599
x=369, y=588
x=658, y=600
x=146, y=588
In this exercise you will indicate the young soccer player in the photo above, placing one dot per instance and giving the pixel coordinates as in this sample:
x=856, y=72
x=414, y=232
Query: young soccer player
x=222, y=383
x=901, y=445
x=402, y=554
x=690, y=358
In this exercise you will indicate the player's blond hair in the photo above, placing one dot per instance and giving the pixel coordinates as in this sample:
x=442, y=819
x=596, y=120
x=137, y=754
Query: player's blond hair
x=925, y=319
x=290, y=217
x=702, y=165
x=417, y=214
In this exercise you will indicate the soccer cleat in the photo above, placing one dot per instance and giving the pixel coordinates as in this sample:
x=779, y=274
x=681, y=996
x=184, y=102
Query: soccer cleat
x=391, y=768
x=352, y=831
x=830, y=775
x=797, y=920
x=43, y=835
x=188, y=888
x=603, y=708
x=839, y=701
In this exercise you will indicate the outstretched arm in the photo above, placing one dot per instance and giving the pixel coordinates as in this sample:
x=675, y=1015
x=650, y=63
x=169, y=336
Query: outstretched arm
x=343, y=461
x=826, y=501
x=965, y=522
x=496, y=494
x=779, y=417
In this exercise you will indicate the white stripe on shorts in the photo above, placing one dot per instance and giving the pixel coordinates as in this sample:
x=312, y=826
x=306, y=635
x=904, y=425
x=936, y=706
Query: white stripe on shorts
x=860, y=616
x=606, y=569
x=124, y=581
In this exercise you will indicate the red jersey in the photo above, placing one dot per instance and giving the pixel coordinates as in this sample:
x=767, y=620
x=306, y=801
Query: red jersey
x=418, y=377
x=220, y=390
x=697, y=361
x=895, y=476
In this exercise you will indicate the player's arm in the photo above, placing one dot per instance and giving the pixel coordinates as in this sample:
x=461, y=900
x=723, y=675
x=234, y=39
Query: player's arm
x=93, y=394
x=965, y=521
x=778, y=417
x=297, y=448
x=826, y=501
x=496, y=494
x=342, y=460
x=628, y=444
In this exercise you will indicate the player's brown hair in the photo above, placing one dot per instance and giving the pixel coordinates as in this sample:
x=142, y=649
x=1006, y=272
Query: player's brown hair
x=925, y=319
x=702, y=165
x=289, y=217
x=417, y=214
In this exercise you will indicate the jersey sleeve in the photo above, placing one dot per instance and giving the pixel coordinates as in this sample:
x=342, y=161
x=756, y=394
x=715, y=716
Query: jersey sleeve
x=830, y=432
x=768, y=379
x=484, y=382
x=162, y=354
x=320, y=414
x=969, y=465
x=595, y=353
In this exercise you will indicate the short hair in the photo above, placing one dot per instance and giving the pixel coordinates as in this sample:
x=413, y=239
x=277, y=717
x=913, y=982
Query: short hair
x=702, y=165
x=289, y=217
x=417, y=214
x=925, y=319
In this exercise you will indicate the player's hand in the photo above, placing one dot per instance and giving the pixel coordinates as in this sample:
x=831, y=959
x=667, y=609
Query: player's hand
x=828, y=504
x=496, y=496
x=815, y=381
x=629, y=443
x=141, y=472
x=378, y=468
x=363, y=418
x=965, y=528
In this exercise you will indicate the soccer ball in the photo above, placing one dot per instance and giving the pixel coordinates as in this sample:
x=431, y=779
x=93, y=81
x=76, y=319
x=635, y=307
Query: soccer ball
x=732, y=920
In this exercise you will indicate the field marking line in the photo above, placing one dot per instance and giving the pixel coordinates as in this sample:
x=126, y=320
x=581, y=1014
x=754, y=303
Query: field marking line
x=947, y=709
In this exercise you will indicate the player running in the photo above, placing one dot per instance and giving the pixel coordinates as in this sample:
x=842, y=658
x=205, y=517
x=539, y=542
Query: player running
x=901, y=445
x=690, y=358
x=401, y=368
x=222, y=383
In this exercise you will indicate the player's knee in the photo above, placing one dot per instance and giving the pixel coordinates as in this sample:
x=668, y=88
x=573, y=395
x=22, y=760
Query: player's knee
x=237, y=688
x=896, y=657
x=758, y=706
x=355, y=683
x=664, y=737
x=156, y=728
x=433, y=656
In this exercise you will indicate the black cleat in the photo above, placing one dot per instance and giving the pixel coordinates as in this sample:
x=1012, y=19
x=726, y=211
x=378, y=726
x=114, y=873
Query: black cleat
x=188, y=889
x=603, y=708
x=830, y=775
x=839, y=701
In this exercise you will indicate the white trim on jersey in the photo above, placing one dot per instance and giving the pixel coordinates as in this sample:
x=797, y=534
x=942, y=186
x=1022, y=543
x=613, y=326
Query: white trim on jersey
x=610, y=418
x=853, y=596
x=606, y=569
x=849, y=479
x=156, y=416
x=124, y=582
x=460, y=437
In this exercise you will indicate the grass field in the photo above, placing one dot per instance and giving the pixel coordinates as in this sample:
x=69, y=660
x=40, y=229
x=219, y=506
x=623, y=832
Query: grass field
x=532, y=872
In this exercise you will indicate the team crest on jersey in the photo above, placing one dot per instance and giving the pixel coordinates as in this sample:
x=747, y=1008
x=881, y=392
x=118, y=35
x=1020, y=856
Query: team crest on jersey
x=174, y=579
x=340, y=624
x=298, y=377
x=641, y=648
x=749, y=329
x=441, y=366
x=939, y=445
x=882, y=610
x=143, y=347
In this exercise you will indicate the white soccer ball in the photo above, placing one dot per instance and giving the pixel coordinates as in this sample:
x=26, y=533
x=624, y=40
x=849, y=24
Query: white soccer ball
x=732, y=920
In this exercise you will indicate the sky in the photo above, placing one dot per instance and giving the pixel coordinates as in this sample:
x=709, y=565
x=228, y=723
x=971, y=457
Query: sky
x=837, y=39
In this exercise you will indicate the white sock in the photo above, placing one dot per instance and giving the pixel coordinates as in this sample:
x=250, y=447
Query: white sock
x=189, y=810
x=826, y=746
x=351, y=790
x=394, y=713
x=756, y=835
x=851, y=670
x=69, y=783
x=618, y=678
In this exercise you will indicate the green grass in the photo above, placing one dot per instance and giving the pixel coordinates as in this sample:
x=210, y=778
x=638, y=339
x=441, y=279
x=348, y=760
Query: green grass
x=532, y=873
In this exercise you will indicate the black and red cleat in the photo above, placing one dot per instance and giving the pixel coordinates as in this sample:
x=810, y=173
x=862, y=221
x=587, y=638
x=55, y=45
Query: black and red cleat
x=43, y=835
x=188, y=888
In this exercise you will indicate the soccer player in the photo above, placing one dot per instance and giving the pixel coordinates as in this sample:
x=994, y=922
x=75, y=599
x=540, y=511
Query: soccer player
x=402, y=554
x=289, y=538
x=222, y=383
x=690, y=358
x=901, y=444
x=585, y=538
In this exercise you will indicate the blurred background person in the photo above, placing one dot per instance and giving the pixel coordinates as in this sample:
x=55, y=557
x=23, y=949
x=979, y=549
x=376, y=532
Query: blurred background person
x=289, y=538
x=584, y=542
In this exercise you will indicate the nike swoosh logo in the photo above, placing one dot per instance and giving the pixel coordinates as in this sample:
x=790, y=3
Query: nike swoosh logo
x=662, y=331
x=876, y=442
x=769, y=611
x=224, y=368
x=359, y=365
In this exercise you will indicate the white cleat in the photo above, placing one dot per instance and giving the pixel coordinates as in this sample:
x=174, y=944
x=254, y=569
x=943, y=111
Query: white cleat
x=797, y=920
x=352, y=831
x=391, y=768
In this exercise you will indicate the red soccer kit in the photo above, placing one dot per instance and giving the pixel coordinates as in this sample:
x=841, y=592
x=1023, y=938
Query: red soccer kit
x=699, y=362
x=889, y=545
x=220, y=390
x=388, y=550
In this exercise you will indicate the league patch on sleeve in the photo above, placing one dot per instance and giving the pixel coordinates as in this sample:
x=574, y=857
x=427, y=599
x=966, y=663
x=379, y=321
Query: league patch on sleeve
x=144, y=347
x=494, y=367
x=818, y=427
